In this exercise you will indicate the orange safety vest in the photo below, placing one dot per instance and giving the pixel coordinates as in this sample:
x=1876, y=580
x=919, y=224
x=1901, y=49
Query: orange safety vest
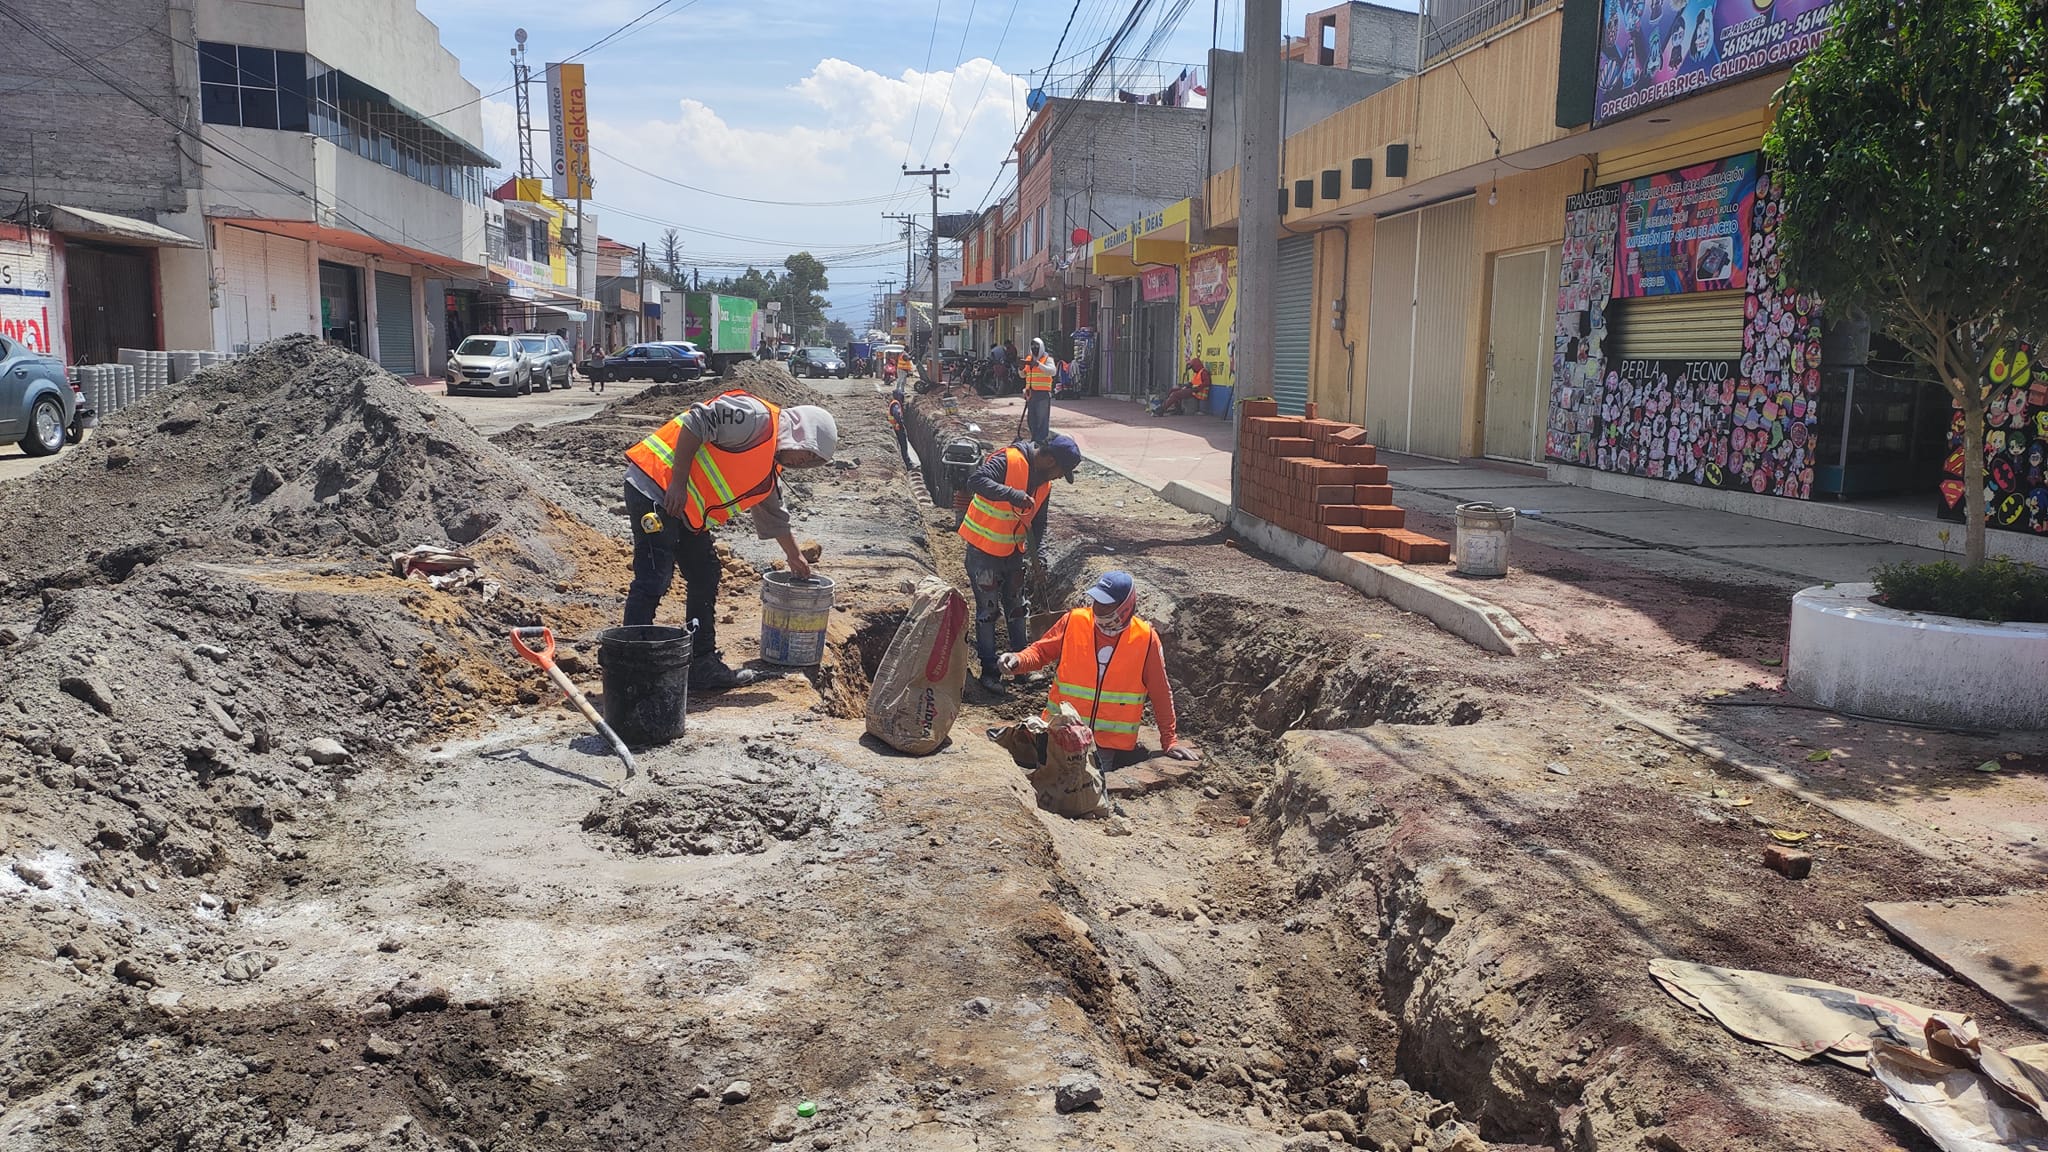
x=1000, y=529
x=721, y=482
x=1200, y=383
x=1114, y=706
x=1037, y=375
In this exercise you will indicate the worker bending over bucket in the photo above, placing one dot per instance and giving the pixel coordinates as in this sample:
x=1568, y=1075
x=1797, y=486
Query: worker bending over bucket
x=1004, y=525
x=723, y=456
x=1110, y=664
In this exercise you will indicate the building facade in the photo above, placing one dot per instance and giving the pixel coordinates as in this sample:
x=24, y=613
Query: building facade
x=217, y=173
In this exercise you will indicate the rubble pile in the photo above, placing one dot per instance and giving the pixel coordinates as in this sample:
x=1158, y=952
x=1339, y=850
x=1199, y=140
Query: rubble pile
x=202, y=633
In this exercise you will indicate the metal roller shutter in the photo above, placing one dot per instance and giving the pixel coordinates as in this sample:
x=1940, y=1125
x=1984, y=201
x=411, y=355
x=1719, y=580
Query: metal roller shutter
x=1692, y=326
x=267, y=293
x=1444, y=291
x=1390, y=330
x=1293, y=313
x=288, y=269
x=395, y=324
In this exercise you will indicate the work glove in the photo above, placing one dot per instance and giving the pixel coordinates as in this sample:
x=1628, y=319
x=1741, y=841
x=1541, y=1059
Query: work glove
x=1007, y=661
x=1181, y=752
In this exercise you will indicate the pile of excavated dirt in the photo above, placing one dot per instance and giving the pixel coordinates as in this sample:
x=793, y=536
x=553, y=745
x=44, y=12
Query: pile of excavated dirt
x=202, y=637
x=773, y=793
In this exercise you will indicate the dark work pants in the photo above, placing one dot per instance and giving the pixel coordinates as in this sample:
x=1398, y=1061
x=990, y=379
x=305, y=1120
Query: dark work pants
x=657, y=556
x=1038, y=415
x=903, y=446
x=998, y=590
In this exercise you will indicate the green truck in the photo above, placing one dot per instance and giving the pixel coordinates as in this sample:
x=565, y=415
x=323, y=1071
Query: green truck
x=727, y=329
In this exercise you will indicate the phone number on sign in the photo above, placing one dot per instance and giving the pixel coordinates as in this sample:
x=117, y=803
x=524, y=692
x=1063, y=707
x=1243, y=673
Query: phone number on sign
x=1795, y=45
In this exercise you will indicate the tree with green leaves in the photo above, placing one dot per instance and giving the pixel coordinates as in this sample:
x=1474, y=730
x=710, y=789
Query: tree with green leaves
x=838, y=333
x=802, y=289
x=1911, y=152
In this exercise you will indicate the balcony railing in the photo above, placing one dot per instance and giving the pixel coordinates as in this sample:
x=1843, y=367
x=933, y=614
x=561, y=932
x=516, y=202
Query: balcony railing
x=1450, y=24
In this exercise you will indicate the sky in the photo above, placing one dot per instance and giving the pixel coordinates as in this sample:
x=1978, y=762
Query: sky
x=814, y=104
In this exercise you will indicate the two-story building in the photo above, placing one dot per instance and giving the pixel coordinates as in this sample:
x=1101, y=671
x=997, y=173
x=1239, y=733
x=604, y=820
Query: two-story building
x=224, y=172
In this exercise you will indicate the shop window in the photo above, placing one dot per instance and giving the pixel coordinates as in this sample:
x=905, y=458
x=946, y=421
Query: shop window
x=246, y=87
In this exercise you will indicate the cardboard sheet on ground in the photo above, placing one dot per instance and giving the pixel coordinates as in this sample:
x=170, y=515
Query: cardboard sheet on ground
x=1965, y=1096
x=1995, y=943
x=1801, y=1019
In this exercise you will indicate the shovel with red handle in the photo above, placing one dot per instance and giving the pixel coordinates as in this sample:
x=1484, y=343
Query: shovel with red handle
x=545, y=659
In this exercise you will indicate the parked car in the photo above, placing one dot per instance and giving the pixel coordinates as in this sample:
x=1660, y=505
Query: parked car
x=489, y=364
x=816, y=362
x=549, y=361
x=658, y=362
x=784, y=351
x=39, y=408
x=699, y=363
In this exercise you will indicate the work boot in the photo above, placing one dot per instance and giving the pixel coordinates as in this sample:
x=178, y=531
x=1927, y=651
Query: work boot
x=992, y=683
x=710, y=674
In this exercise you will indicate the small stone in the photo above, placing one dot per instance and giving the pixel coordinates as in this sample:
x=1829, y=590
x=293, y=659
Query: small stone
x=1557, y=768
x=133, y=971
x=737, y=1092
x=32, y=873
x=245, y=966
x=92, y=690
x=1331, y=1120
x=264, y=482
x=1209, y=792
x=980, y=1006
x=1076, y=1091
x=378, y=1050
x=213, y=652
x=326, y=1044
x=1343, y=1061
x=701, y=1092
x=327, y=751
x=416, y=996
x=388, y=944
x=375, y=1013
x=1148, y=1091
x=782, y=1133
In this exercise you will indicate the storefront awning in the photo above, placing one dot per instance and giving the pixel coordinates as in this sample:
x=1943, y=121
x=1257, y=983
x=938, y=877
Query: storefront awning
x=89, y=225
x=996, y=294
x=1161, y=237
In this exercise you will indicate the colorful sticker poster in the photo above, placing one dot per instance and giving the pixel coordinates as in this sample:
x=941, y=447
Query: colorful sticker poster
x=1777, y=394
x=1688, y=230
x=1584, y=292
x=1208, y=318
x=1667, y=419
x=1652, y=52
x=2015, y=447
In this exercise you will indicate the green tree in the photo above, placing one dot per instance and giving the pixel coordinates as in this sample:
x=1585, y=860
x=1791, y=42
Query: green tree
x=1911, y=151
x=802, y=292
x=838, y=333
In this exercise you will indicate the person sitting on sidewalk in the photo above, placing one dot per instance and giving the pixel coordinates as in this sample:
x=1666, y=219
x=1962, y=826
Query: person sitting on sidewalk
x=1110, y=662
x=1196, y=389
x=1005, y=524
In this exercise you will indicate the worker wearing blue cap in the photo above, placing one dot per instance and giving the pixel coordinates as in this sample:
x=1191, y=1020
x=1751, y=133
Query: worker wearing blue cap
x=1003, y=526
x=1110, y=664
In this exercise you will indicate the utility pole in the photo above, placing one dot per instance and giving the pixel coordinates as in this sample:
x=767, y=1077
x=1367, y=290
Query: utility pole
x=934, y=174
x=909, y=223
x=1258, y=215
x=640, y=292
x=522, y=104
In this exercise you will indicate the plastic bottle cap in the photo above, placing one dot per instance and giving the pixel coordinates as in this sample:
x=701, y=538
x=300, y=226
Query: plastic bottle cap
x=807, y=1109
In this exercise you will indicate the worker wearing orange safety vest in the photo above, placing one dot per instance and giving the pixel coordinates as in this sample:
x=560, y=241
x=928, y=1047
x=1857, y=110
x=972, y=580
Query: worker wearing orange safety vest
x=695, y=472
x=1111, y=664
x=1039, y=371
x=896, y=425
x=1003, y=526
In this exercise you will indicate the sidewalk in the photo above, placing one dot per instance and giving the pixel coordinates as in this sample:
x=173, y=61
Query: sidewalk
x=1155, y=451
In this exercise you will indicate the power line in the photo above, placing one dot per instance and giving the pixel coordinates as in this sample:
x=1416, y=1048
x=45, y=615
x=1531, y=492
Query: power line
x=751, y=199
x=959, y=55
x=1063, y=37
x=985, y=76
x=917, y=111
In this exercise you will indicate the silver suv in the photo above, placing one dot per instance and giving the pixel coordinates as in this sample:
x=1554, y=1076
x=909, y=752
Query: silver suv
x=39, y=408
x=548, y=358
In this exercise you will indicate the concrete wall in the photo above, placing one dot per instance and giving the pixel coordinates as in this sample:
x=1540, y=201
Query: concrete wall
x=1147, y=155
x=390, y=206
x=277, y=24
x=252, y=173
x=387, y=43
x=1383, y=41
x=1313, y=93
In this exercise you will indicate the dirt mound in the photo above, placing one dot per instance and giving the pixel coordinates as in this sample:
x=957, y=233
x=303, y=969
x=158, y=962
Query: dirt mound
x=770, y=382
x=783, y=794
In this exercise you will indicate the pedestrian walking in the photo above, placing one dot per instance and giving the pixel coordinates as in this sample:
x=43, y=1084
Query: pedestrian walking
x=1003, y=527
x=1039, y=371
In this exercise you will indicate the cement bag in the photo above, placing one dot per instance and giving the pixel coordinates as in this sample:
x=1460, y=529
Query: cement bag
x=916, y=693
x=1068, y=783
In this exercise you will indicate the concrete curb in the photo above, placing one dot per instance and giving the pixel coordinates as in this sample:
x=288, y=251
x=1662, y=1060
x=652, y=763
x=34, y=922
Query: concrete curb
x=1478, y=623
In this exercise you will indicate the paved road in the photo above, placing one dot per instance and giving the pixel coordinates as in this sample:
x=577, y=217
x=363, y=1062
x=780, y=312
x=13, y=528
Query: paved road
x=489, y=414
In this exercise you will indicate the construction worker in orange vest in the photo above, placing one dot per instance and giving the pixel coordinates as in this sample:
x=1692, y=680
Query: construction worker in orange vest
x=1003, y=526
x=1110, y=664
x=896, y=402
x=723, y=456
x=1039, y=371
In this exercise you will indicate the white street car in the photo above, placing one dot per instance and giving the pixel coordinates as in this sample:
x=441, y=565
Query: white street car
x=489, y=364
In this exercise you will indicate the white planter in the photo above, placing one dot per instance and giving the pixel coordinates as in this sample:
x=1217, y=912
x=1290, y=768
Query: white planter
x=1855, y=656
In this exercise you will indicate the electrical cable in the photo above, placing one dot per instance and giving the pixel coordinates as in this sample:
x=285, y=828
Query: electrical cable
x=959, y=55
x=917, y=110
x=883, y=199
x=985, y=76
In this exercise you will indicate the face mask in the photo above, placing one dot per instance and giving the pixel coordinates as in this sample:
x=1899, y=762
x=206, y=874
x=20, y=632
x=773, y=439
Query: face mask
x=1112, y=622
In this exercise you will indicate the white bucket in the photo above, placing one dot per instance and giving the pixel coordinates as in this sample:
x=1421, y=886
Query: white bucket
x=1483, y=533
x=794, y=615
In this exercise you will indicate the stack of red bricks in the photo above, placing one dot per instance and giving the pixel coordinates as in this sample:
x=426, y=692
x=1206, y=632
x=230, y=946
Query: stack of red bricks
x=1319, y=479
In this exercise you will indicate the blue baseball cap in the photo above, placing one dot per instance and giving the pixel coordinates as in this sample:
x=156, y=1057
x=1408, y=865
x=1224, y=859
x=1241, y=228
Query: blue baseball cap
x=1111, y=589
x=1066, y=453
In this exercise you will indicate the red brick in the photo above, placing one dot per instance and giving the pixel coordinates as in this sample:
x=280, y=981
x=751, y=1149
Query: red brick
x=1323, y=472
x=1293, y=446
x=1265, y=427
x=1372, y=494
x=1342, y=514
x=1791, y=862
x=1309, y=410
x=1369, y=473
x=1321, y=430
x=1256, y=408
x=1336, y=493
x=1352, y=453
x=1416, y=548
x=1382, y=516
x=1352, y=434
x=1174, y=771
x=1351, y=538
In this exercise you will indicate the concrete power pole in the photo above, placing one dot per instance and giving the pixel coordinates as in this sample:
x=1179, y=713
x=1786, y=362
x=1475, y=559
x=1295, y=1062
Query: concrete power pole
x=1258, y=213
x=932, y=365
x=909, y=223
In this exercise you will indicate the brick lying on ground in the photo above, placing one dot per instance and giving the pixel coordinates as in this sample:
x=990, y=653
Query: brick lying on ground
x=1320, y=480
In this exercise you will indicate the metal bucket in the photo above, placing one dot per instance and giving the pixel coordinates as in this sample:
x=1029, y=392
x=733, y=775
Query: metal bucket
x=1484, y=530
x=794, y=614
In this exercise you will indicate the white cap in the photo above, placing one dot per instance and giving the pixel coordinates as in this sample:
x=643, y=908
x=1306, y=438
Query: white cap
x=808, y=428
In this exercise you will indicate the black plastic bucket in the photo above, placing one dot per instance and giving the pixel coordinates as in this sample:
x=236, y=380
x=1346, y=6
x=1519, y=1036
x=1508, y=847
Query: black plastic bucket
x=646, y=681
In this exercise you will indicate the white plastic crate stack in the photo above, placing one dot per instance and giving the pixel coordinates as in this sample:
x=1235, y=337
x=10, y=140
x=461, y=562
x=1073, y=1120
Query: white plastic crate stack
x=152, y=369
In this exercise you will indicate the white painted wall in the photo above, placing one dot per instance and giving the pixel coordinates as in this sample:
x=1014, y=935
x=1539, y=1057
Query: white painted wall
x=258, y=23
x=387, y=43
x=247, y=185
x=1854, y=656
x=366, y=196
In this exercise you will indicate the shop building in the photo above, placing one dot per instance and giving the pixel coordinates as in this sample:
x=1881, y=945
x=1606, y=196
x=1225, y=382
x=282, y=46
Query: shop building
x=539, y=266
x=1557, y=244
x=240, y=171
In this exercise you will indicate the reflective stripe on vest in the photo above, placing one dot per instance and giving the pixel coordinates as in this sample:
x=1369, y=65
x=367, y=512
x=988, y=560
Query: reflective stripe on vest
x=999, y=529
x=1037, y=376
x=720, y=482
x=1118, y=706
